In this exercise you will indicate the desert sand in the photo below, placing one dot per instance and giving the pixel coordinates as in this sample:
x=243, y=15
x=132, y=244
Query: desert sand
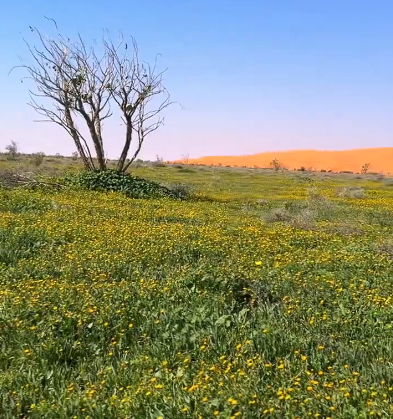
x=380, y=160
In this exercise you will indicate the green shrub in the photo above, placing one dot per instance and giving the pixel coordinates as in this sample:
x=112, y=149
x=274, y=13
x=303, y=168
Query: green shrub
x=318, y=202
x=37, y=158
x=110, y=180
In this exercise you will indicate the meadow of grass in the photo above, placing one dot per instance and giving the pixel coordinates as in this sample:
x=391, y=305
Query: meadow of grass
x=273, y=299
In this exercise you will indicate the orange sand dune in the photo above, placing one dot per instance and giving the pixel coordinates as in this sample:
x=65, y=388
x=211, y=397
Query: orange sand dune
x=380, y=159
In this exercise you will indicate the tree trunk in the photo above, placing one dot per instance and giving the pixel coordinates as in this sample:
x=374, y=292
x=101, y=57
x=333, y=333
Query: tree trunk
x=126, y=148
x=88, y=163
x=98, y=147
x=96, y=137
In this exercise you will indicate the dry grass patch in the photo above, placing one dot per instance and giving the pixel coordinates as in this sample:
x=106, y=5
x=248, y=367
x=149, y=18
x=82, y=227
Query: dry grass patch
x=352, y=192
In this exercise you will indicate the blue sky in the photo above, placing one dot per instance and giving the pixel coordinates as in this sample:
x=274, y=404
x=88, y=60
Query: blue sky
x=252, y=76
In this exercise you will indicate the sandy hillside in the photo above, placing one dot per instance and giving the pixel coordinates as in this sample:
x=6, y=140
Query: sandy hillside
x=380, y=159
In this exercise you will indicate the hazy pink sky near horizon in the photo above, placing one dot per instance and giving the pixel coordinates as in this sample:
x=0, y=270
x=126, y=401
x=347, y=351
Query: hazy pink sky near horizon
x=252, y=76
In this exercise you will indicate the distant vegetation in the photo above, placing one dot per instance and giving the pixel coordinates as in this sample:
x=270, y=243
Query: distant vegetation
x=379, y=160
x=12, y=150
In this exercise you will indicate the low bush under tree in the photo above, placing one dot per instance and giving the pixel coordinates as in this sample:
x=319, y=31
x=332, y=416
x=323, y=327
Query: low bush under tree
x=131, y=186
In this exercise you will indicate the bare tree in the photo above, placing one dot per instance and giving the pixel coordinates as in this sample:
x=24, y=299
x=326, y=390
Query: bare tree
x=365, y=168
x=276, y=164
x=12, y=149
x=84, y=85
x=185, y=158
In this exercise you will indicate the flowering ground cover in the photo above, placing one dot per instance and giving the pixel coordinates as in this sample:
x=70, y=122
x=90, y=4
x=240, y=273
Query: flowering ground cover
x=229, y=308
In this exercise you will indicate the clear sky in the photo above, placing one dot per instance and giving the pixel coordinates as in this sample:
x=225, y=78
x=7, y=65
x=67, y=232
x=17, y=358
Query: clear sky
x=252, y=75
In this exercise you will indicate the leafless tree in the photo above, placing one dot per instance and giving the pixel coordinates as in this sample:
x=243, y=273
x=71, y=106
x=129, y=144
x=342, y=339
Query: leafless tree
x=185, y=158
x=365, y=168
x=276, y=164
x=83, y=85
x=12, y=149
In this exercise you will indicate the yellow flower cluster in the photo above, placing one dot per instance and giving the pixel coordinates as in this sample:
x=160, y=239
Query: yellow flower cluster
x=118, y=308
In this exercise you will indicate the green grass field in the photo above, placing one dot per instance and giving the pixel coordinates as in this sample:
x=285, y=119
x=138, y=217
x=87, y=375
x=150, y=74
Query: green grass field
x=272, y=300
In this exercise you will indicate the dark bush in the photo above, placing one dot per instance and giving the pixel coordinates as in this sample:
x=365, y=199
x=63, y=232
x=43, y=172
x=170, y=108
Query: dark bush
x=111, y=180
x=186, y=170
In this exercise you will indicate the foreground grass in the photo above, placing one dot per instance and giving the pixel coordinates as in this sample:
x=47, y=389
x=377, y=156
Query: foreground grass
x=118, y=308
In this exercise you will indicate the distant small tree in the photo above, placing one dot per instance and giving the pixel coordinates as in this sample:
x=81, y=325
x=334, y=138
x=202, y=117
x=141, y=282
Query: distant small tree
x=365, y=168
x=12, y=150
x=75, y=155
x=275, y=164
x=159, y=162
x=185, y=158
